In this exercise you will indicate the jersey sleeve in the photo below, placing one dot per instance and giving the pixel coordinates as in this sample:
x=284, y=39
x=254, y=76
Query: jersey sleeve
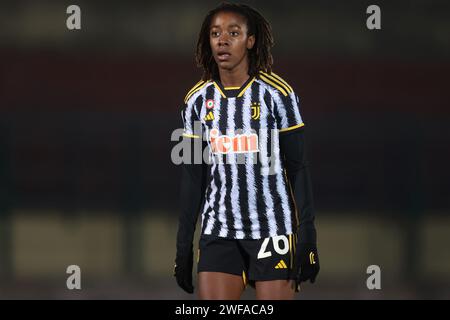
x=287, y=111
x=191, y=121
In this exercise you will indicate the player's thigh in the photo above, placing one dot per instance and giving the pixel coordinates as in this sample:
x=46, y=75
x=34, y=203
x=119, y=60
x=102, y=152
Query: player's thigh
x=219, y=286
x=271, y=266
x=220, y=268
x=275, y=290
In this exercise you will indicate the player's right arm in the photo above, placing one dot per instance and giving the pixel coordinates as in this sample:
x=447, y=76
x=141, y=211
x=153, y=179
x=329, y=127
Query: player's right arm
x=192, y=191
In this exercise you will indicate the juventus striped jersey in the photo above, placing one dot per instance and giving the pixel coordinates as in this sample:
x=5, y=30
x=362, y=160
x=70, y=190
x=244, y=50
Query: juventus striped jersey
x=247, y=194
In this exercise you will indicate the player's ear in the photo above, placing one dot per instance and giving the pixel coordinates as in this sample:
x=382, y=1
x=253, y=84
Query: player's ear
x=250, y=41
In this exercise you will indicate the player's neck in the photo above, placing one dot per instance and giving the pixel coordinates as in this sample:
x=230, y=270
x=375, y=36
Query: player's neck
x=235, y=77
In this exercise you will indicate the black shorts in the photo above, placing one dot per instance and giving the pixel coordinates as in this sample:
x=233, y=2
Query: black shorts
x=254, y=260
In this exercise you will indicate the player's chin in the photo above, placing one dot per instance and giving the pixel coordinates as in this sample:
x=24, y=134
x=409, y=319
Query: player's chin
x=225, y=65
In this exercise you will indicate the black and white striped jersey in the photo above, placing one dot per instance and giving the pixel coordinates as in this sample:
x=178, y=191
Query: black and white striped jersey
x=247, y=194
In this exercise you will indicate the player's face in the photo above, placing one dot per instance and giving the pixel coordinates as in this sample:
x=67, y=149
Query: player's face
x=229, y=40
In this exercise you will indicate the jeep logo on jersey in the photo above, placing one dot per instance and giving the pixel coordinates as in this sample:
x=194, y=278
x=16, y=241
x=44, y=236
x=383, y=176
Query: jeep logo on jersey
x=209, y=104
x=240, y=143
x=255, y=110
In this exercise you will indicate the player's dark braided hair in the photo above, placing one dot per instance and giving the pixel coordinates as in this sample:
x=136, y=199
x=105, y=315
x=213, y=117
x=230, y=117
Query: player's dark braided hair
x=260, y=57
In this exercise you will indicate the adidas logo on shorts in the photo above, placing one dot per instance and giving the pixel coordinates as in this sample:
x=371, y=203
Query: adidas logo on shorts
x=281, y=265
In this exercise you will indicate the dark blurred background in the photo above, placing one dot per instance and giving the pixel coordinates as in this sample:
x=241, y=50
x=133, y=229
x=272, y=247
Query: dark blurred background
x=86, y=118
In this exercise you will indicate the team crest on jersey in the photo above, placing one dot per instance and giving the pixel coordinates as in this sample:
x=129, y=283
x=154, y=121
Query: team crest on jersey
x=209, y=104
x=256, y=106
x=239, y=143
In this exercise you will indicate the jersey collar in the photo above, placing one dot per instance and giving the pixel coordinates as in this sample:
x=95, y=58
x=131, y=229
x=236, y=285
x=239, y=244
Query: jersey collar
x=232, y=92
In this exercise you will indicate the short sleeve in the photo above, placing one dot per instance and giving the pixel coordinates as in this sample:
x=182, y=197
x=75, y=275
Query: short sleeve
x=287, y=111
x=191, y=121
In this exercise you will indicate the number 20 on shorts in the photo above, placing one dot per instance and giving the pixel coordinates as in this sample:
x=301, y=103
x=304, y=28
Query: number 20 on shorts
x=276, y=246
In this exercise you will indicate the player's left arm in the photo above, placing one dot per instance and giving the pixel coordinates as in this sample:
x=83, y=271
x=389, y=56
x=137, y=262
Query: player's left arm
x=293, y=153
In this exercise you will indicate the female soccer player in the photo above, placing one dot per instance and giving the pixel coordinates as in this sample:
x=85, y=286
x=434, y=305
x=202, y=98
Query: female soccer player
x=254, y=192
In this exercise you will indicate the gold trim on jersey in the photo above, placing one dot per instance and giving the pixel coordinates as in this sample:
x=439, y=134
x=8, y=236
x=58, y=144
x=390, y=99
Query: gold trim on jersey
x=282, y=80
x=244, y=278
x=276, y=81
x=240, y=94
x=290, y=251
x=197, y=87
x=220, y=90
x=246, y=87
x=273, y=85
x=292, y=128
x=193, y=88
x=187, y=135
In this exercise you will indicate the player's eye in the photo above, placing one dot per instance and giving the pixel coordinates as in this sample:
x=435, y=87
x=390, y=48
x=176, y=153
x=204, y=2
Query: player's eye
x=214, y=34
x=234, y=33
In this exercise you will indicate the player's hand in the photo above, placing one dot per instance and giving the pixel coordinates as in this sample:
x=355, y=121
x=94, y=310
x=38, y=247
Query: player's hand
x=307, y=261
x=183, y=269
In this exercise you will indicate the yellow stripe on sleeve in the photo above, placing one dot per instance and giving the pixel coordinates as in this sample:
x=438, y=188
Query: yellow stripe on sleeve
x=282, y=80
x=292, y=128
x=265, y=79
x=190, y=135
x=194, y=90
x=280, y=83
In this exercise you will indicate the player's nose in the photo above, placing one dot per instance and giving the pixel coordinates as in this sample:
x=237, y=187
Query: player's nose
x=223, y=39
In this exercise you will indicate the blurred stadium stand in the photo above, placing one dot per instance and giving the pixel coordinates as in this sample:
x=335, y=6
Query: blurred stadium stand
x=86, y=118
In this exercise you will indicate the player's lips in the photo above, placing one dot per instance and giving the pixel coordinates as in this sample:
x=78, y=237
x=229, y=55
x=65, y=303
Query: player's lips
x=223, y=55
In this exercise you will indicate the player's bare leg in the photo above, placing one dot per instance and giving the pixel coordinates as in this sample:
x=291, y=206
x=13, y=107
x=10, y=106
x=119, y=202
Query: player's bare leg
x=219, y=286
x=274, y=290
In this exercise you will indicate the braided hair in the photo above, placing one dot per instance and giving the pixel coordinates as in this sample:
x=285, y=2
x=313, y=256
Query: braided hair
x=260, y=56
